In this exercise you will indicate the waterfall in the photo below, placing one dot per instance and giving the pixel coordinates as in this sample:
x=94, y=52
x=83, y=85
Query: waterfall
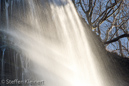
x=7, y=16
x=53, y=40
x=2, y=65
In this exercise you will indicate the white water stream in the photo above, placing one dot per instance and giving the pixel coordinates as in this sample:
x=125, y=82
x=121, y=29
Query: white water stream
x=56, y=44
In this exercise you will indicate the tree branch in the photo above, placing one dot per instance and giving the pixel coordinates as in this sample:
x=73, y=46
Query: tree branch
x=116, y=39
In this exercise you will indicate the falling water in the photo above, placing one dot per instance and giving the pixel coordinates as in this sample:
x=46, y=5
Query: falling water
x=7, y=19
x=52, y=37
x=2, y=64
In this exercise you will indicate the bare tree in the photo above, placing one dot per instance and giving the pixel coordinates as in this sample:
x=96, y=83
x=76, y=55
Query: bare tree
x=109, y=19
